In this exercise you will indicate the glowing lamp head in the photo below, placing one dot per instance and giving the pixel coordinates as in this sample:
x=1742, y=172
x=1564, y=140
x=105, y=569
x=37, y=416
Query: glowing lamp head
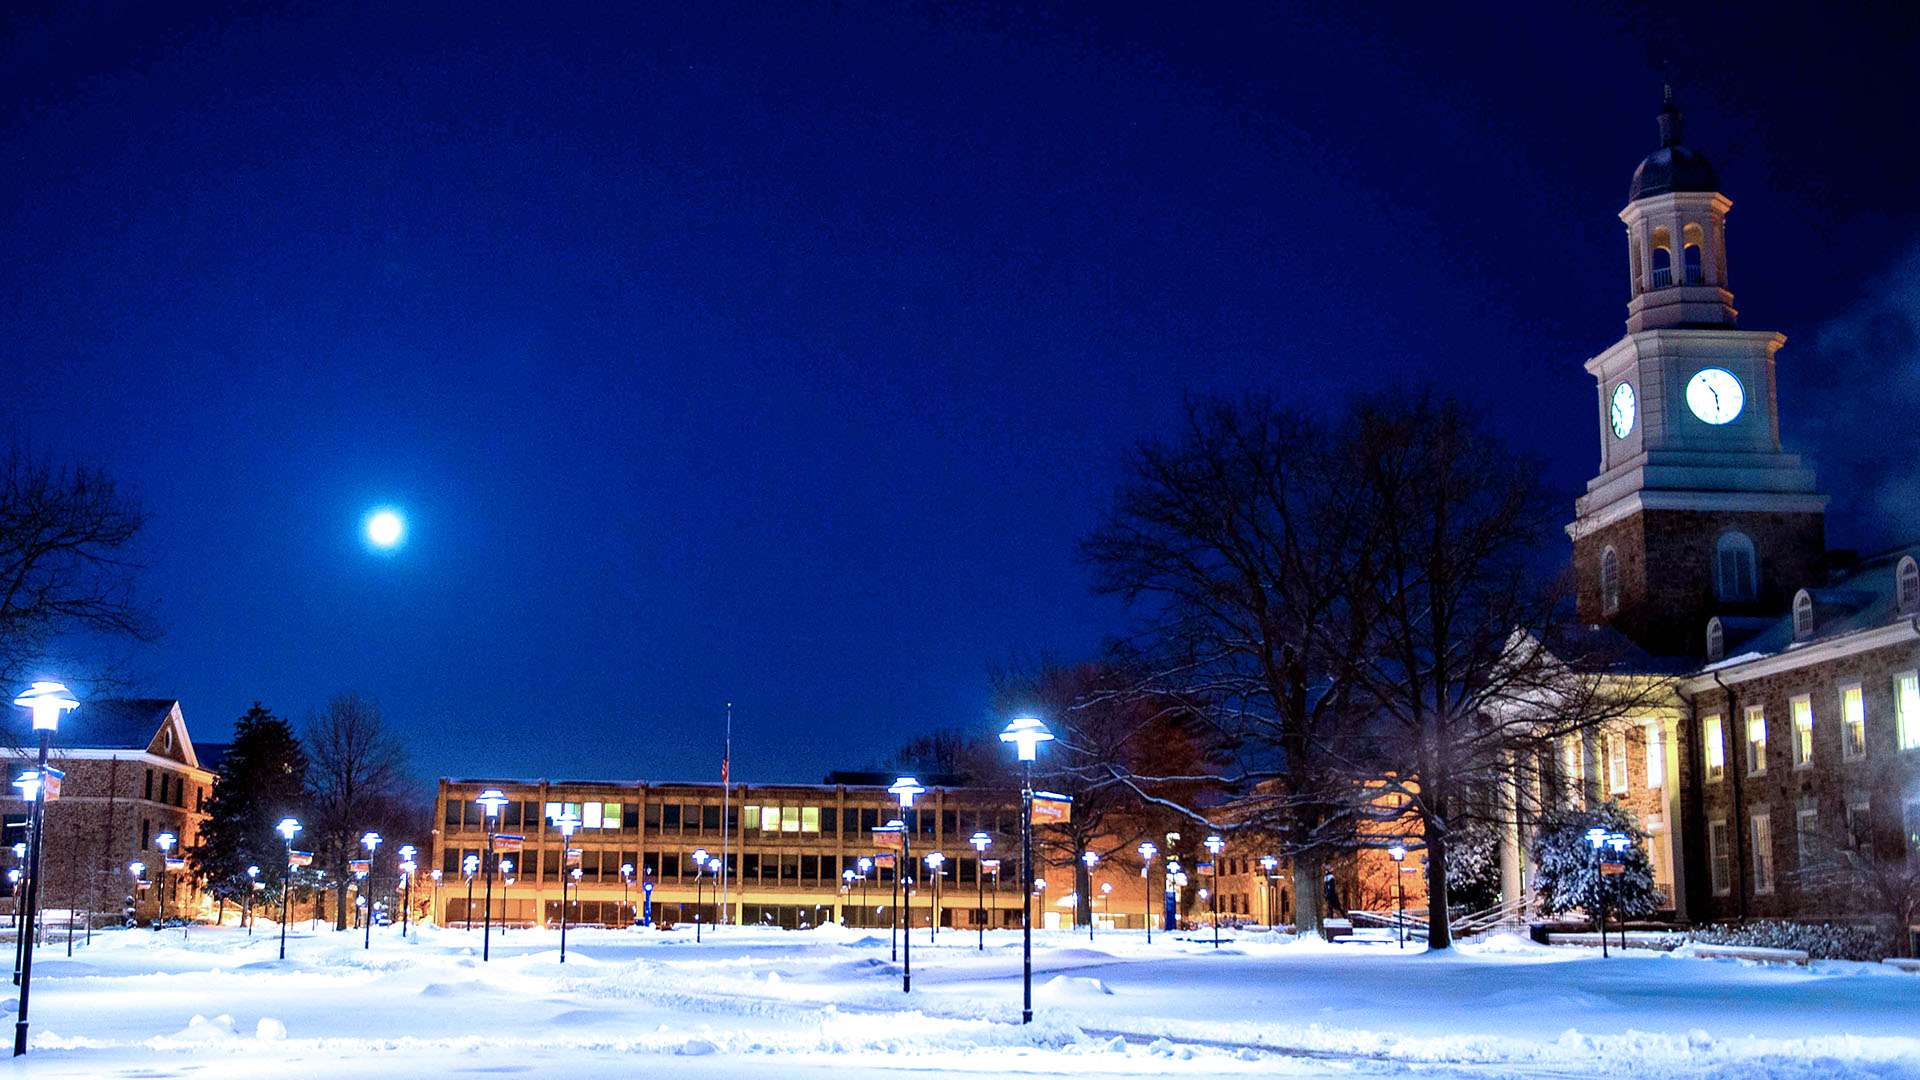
x=20, y=851
x=385, y=529
x=1619, y=841
x=287, y=828
x=713, y=864
x=848, y=875
x=1106, y=887
x=574, y=873
x=46, y=700
x=905, y=789
x=437, y=877
x=1268, y=862
x=506, y=866
x=370, y=841
x=865, y=864
x=1026, y=733
x=1090, y=857
x=165, y=841
x=253, y=871
x=1397, y=852
x=568, y=824
x=29, y=784
x=1215, y=844
x=409, y=867
x=626, y=869
x=980, y=841
x=470, y=865
x=407, y=851
x=935, y=859
x=700, y=856
x=1596, y=836
x=136, y=868
x=491, y=801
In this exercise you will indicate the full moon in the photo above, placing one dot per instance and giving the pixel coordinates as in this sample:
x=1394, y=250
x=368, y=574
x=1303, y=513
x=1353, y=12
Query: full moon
x=384, y=529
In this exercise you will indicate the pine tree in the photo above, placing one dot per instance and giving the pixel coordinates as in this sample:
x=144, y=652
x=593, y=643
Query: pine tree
x=261, y=779
x=1568, y=874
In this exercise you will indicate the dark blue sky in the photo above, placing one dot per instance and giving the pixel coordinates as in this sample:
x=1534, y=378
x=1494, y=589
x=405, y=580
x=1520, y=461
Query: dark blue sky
x=781, y=354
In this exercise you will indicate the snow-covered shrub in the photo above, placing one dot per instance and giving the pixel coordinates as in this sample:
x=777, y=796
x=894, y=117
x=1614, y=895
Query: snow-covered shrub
x=1818, y=941
x=1473, y=866
x=1569, y=874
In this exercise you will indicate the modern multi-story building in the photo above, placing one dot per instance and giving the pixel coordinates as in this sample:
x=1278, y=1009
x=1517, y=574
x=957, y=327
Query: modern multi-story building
x=133, y=773
x=785, y=851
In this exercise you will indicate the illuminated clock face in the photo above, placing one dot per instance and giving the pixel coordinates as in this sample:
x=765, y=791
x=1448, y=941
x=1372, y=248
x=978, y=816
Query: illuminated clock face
x=1623, y=410
x=1715, y=396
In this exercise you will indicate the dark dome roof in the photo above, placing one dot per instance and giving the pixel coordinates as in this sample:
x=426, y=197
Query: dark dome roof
x=1673, y=167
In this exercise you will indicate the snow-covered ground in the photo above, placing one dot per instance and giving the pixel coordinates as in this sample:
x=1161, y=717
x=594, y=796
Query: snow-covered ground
x=749, y=1003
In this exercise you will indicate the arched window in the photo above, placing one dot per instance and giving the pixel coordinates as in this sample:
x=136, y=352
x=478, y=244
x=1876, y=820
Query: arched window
x=1692, y=237
x=1662, y=258
x=1609, y=582
x=1716, y=640
x=1906, y=590
x=1736, y=576
x=1802, y=615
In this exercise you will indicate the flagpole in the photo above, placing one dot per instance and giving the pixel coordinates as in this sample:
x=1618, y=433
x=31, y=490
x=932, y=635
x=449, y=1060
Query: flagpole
x=726, y=807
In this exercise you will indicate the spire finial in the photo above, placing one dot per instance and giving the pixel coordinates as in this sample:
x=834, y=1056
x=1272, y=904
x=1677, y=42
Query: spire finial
x=1669, y=112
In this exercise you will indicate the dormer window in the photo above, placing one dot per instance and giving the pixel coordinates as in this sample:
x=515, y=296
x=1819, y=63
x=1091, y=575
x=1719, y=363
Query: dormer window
x=1906, y=588
x=1802, y=615
x=1716, y=640
x=1735, y=575
x=1609, y=582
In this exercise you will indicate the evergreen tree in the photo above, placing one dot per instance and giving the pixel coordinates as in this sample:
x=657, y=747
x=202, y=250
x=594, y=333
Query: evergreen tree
x=1569, y=876
x=261, y=779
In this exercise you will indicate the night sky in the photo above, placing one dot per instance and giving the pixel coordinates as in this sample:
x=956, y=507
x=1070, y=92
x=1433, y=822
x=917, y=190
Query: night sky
x=781, y=354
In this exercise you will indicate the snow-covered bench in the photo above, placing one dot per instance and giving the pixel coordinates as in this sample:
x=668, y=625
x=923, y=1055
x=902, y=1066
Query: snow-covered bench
x=1636, y=939
x=1904, y=963
x=1746, y=952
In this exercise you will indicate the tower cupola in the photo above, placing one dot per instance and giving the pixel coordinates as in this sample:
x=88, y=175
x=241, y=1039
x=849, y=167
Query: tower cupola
x=1676, y=232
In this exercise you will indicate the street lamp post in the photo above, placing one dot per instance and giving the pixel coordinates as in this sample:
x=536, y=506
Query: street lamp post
x=1026, y=734
x=253, y=885
x=905, y=788
x=699, y=883
x=136, y=869
x=164, y=842
x=1090, y=858
x=934, y=860
x=1601, y=839
x=866, y=911
x=491, y=801
x=1106, y=898
x=847, y=878
x=1147, y=852
x=1215, y=846
x=568, y=823
x=507, y=881
x=407, y=867
x=897, y=825
x=46, y=701
x=370, y=841
x=1267, y=865
x=981, y=841
x=1398, y=853
x=470, y=866
x=286, y=829
x=626, y=879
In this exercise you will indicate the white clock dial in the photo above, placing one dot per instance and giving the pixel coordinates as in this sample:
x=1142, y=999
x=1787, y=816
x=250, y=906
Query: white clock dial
x=1715, y=395
x=1623, y=410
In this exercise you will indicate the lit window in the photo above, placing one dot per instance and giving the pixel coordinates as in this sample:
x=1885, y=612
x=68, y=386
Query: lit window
x=553, y=811
x=1853, y=723
x=1735, y=577
x=1756, y=740
x=1802, y=615
x=1714, y=736
x=1907, y=591
x=590, y=818
x=809, y=819
x=1802, y=731
x=1656, y=758
x=611, y=815
x=1719, y=858
x=769, y=819
x=1571, y=760
x=1609, y=582
x=789, y=819
x=1617, y=763
x=1906, y=705
x=1762, y=854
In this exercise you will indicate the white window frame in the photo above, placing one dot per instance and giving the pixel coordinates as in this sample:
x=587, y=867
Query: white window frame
x=1800, y=710
x=1802, y=615
x=1860, y=825
x=1656, y=756
x=1761, y=830
x=1719, y=857
x=1756, y=716
x=1906, y=585
x=1906, y=710
x=1617, y=763
x=1713, y=739
x=1806, y=836
x=1853, y=722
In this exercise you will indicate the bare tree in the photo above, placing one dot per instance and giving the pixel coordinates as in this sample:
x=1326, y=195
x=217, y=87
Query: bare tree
x=67, y=562
x=358, y=778
x=1239, y=542
x=1467, y=672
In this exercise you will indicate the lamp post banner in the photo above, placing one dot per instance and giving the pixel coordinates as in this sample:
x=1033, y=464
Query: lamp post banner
x=299, y=858
x=360, y=866
x=508, y=842
x=887, y=839
x=1052, y=808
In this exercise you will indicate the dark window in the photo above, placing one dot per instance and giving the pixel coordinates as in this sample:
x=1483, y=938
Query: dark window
x=750, y=868
x=200, y=800
x=1691, y=255
x=449, y=863
x=733, y=819
x=670, y=817
x=869, y=820
x=850, y=820
x=965, y=871
x=146, y=828
x=669, y=865
x=710, y=818
x=949, y=824
x=789, y=868
x=1662, y=268
x=829, y=821
x=650, y=864
x=809, y=868
x=453, y=812
x=630, y=817
x=653, y=817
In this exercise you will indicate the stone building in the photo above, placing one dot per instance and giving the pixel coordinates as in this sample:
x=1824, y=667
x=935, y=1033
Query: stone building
x=132, y=773
x=1783, y=780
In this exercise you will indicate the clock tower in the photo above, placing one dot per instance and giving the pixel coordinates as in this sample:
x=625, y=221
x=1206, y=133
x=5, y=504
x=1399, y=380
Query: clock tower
x=1696, y=511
